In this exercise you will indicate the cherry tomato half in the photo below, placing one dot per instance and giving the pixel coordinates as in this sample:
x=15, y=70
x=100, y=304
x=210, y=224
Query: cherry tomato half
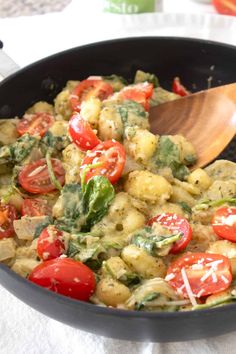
x=111, y=155
x=82, y=134
x=224, y=223
x=139, y=93
x=206, y=274
x=89, y=88
x=175, y=222
x=34, y=178
x=225, y=7
x=66, y=277
x=51, y=243
x=178, y=88
x=35, y=124
x=8, y=214
x=35, y=207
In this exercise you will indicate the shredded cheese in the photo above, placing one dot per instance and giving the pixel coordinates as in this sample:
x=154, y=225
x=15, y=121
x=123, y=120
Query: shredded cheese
x=170, y=276
x=188, y=287
x=37, y=170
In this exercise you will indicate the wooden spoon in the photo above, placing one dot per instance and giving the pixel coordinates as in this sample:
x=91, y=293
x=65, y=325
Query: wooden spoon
x=207, y=119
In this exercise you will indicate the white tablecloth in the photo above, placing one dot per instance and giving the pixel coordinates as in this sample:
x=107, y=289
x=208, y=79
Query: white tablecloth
x=22, y=329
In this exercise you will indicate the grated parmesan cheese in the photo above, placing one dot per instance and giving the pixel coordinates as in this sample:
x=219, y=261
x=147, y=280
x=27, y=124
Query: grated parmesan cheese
x=188, y=287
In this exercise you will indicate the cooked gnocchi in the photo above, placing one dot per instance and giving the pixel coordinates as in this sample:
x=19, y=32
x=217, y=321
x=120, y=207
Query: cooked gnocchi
x=95, y=206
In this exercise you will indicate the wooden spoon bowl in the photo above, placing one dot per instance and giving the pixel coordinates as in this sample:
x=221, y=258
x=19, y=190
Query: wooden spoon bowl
x=207, y=119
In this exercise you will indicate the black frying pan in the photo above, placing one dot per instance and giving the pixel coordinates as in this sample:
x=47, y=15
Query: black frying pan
x=190, y=59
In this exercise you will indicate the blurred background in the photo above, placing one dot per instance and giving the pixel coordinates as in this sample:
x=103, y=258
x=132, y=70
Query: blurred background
x=33, y=29
x=12, y=8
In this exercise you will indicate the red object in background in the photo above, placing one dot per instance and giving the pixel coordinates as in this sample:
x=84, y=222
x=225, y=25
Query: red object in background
x=225, y=7
x=178, y=88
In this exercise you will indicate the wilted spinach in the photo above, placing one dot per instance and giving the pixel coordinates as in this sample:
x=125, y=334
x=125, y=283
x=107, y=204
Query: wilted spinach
x=83, y=209
x=53, y=143
x=82, y=247
x=97, y=197
x=168, y=155
x=152, y=243
x=45, y=223
x=19, y=150
x=71, y=198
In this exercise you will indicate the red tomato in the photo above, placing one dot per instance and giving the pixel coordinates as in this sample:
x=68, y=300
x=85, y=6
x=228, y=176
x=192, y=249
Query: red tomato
x=178, y=88
x=51, y=243
x=8, y=214
x=82, y=134
x=206, y=274
x=34, y=178
x=111, y=155
x=89, y=88
x=66, y=277
x=177, y=223
x=35, y=207
x=225, y=7
x=35, y=124
x=139, y=93
x=224, y=223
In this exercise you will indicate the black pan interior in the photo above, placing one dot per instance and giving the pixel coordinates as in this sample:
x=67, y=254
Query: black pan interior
x=193, y=60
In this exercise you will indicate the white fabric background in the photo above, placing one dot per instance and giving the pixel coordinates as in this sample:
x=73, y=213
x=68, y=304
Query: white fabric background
x=22, y=329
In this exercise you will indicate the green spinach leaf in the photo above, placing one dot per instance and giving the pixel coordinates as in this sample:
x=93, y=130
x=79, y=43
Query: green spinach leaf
x=39, y=228
x=53, y=143
x=19, y=150
x=82, y=247
x=152, y=243
x=72, y=219
x=168, y=155
x=81, y=210
x=97, y=197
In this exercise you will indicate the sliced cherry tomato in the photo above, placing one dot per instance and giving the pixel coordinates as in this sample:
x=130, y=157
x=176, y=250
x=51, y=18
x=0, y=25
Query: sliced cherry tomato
x=51, y=243
x=224, y=223
x=66, y=277
x=82, y=134
x=178, y=88
x=34, y=178
x=139, y=93
x=205, y=273
x=8, y=214
x=89, y=88
x=175, y=222
x=110, y=157
x=225, y=7
x=35, y=207
x=35, y=124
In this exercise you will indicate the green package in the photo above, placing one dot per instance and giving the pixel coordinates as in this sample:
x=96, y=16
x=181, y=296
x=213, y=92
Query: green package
x=132, y=6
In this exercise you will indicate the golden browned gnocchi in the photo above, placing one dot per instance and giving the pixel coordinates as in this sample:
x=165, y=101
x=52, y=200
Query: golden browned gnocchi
x=148, y=186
